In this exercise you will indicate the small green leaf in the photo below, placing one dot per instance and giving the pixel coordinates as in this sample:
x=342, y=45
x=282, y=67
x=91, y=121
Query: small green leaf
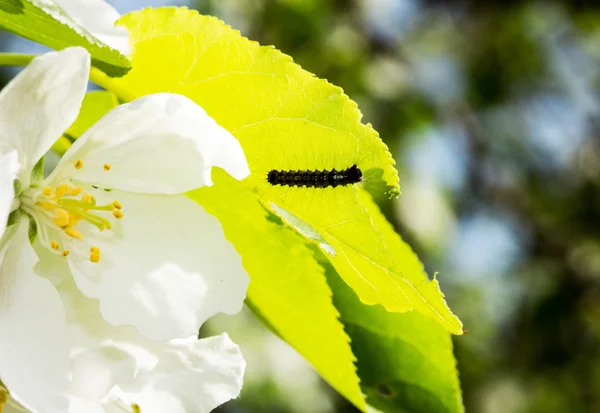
x=95, y=105
x=13, y=218
x=286, y=119
x=44, y=22
x=17, y=186
x=32, y=231
x=37, y=174
x=288, y=289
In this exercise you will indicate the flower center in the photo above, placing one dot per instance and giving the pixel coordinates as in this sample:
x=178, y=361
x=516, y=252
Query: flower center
x=69, y=208
x=66, y=206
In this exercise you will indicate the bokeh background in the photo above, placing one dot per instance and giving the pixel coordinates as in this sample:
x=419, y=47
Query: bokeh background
x=492, y=111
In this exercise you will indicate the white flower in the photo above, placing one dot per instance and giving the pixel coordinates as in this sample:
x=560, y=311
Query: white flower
x=8, y=172
x=111, y=218
x=114, y=369
x=98, y=18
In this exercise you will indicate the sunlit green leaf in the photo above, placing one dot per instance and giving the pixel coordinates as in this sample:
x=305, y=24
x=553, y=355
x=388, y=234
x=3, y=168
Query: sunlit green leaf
x=405, y=361
x=285, y=119
x=44, y=22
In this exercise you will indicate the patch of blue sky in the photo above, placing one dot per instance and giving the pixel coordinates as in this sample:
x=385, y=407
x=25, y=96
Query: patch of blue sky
x=390, y=19
x=556, y=129
x=483, y=251
x=126, y=6
x=438, y=76
x=576, y=71
x=485, y=244
x=438, y=156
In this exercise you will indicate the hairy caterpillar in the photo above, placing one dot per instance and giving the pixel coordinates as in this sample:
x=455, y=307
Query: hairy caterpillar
x=315, y=179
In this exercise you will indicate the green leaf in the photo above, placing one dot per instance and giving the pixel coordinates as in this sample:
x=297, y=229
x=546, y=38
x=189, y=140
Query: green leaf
x=288, y=289
x=286, y=119
x=44, y=22
x=405, y=361
x=297, y=306
x=95, y=105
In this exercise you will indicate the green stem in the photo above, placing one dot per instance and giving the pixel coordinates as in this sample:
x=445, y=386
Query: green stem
x=103, y=80
x=16, y=59
x=61, y=145
x=96, y=75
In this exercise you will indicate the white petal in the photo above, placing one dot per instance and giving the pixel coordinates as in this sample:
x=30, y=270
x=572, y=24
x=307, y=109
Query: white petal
x=96, y=370
x=178, y=376
x=9, y=167
x=165, y=267
x=34, y=359
x=102, y=355
x=157, y=144
x=98, y=17
x=193, y=377
x=79, y=405
x=38, y=105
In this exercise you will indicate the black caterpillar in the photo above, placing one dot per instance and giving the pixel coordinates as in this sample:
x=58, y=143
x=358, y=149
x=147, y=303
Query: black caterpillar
x=315, y=179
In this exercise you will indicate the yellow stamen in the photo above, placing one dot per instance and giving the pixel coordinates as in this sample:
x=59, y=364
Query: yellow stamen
x=48, y=206
x=62, y=218
x=73, y=203
x=78, y=164
x=54, y=245
x=88, y=199
x=69, y=210
x=136, y=408
x=66, y=253
x=74, y=191
x=61, y=190
x=94, y=257
x=73, y=233
x=95, y=250
x=107, y=167
x=74, y=219
x=79, y=209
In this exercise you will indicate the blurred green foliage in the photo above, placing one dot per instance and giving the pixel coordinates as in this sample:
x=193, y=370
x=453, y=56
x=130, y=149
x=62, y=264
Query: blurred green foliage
x=492, y=112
